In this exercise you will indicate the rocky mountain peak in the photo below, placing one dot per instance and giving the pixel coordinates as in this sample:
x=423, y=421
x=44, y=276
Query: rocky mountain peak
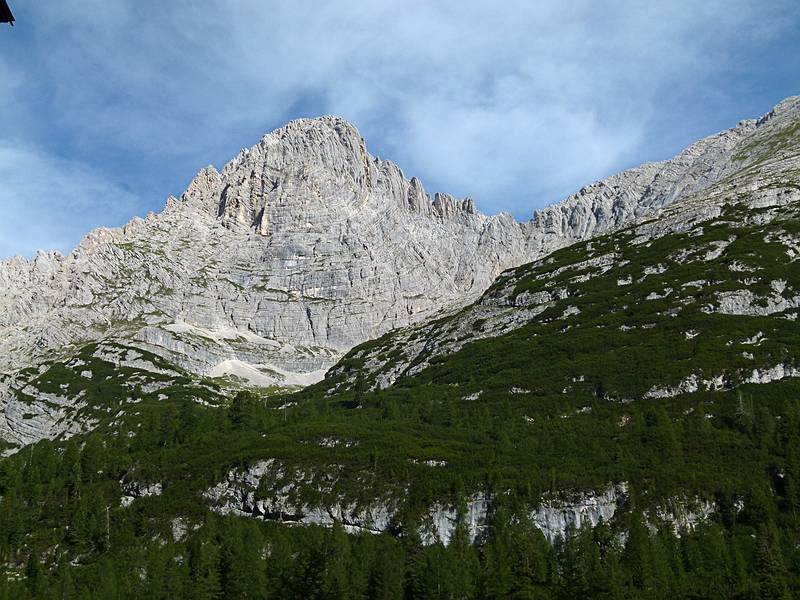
x=305, y=245
x=306, y=175
x=307, y=164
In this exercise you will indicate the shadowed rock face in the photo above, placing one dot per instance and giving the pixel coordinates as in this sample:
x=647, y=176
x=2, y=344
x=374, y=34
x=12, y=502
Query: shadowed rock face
x=305, y=245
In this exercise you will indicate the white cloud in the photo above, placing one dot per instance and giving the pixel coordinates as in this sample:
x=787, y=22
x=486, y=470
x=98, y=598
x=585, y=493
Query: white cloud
x=48, y=198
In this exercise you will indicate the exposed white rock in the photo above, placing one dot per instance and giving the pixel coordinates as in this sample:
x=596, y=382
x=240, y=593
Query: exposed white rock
x=570, y=311
x=791, y=242
x=237, y=495
x=756, y=340
x=716, y=383
x=698, y=283
x=428, y=463
x=656, y=296
x=719, y=247
x=332, y=442
x=682, y=515
x=655, y=270
x=688, y=385
x=180, y=527
x=556, y=515
x=745, y=302
x=132, y=491
x=739, y=267
x=776, y=373
x=441, y=521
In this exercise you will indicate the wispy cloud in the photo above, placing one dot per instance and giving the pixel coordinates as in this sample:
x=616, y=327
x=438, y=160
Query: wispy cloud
x=516, y=103
x=47, y=198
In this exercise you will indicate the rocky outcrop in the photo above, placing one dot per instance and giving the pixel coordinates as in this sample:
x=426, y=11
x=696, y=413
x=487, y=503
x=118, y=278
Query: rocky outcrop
x=558, y=515
x=241, y=493
x=132, y=491
x=682, y=515
x=305, y=245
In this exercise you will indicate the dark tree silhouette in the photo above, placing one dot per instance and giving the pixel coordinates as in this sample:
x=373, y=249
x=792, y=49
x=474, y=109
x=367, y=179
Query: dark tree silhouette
x=5, y=13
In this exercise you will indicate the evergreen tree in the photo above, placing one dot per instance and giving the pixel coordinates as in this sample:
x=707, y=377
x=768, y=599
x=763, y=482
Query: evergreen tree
x=244, y=410
x=497, y=576
x=337, y=579
x=387, y=568
x=92, y=458
x=770, y=568
x=637, y=557
x=71, y=468
x=204, y=567
x=35, y=576
x=464, y=562
x=242, y=569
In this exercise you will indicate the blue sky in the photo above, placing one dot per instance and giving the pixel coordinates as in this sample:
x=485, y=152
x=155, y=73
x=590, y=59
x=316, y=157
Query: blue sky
x=109, y=106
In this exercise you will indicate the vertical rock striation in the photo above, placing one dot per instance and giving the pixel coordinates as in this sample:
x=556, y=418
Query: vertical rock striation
x=305, y=245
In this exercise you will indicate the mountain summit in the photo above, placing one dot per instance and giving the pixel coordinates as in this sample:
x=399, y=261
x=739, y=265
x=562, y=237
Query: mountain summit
x=613, y=415
x=303, y=246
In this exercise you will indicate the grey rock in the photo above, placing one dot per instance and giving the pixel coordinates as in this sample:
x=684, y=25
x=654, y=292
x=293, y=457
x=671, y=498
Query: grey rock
x=762, y=171
x=555, y=516
x=305, y=245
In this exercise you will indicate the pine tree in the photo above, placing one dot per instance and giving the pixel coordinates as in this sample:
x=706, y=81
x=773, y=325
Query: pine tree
x=576, y=558
x=71, y=468
x=204, y=566
x=463, y=559
x=92, y=458
x=387, y=572
x=242, y=569
x=244, y=409
x=338, y=579
x=770, y=568
x=35, y=576
x=497, y=577
x=637, y=557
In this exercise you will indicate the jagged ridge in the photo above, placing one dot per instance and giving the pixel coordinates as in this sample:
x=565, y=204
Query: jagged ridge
x=305, y=245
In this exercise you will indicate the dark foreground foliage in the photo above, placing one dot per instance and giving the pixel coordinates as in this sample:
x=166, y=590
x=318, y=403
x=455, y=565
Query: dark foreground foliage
x=63, y=533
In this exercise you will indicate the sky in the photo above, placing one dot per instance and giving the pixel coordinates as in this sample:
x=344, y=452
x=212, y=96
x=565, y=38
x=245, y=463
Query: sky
x=109, y=106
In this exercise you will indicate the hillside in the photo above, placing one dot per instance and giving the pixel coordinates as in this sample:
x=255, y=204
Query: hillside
x=612, y=418
x=303, y=246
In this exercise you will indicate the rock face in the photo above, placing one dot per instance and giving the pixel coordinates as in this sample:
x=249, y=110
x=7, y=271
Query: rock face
x=305, y=245
x=302, y=247
x=556, y=515
x=240, y=494
x=758, y=188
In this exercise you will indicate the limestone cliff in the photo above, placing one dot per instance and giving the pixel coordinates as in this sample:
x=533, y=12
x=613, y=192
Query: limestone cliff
x=305, y=245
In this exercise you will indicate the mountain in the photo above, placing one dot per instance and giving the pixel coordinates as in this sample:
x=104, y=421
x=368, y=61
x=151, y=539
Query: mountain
x=727, y=250
x=693, y=309
x=600, y=402
x=301, y=248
